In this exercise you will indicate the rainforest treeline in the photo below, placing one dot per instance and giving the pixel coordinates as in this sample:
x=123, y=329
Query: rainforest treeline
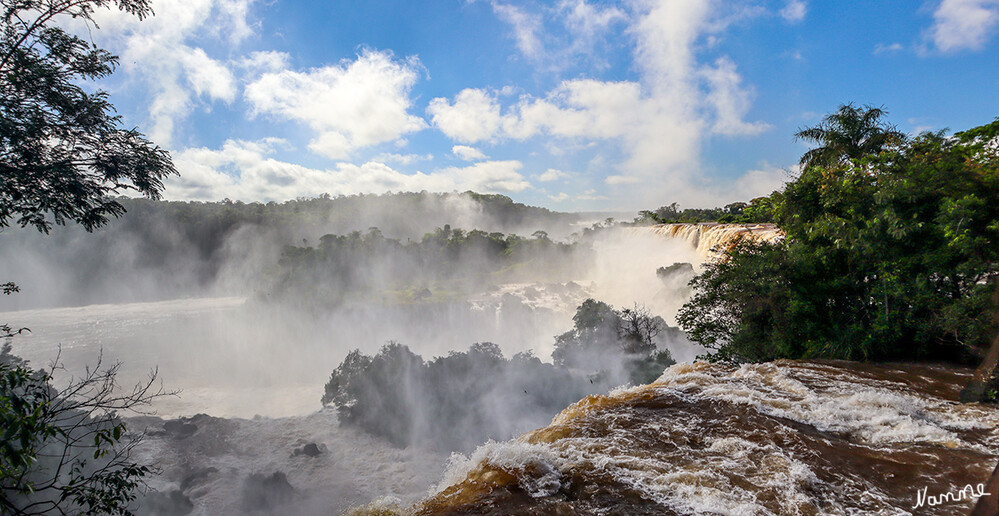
x=891, y=251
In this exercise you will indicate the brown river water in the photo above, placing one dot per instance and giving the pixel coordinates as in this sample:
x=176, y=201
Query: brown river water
x=789, y=437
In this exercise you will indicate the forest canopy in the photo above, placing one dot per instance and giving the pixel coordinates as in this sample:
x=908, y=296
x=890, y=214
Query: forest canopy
x=889, y=254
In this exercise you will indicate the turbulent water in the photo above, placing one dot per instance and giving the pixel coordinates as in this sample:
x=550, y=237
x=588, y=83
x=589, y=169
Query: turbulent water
x=220, y=467
x=234, y=358
x=780, y=438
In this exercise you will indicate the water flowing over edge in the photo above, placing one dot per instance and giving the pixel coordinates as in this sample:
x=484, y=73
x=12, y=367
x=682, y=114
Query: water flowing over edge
x=789, y=437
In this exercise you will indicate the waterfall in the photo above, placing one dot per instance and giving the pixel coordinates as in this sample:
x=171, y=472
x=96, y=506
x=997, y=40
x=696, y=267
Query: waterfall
x=710, y=238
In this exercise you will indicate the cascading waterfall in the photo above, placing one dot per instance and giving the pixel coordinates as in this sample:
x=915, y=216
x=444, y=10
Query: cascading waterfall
x=709, y=237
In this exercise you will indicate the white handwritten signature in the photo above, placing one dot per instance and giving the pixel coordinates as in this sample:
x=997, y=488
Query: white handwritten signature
x=966, y=493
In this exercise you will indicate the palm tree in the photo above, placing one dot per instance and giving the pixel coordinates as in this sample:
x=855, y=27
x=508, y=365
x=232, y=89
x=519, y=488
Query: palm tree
x=849, y=133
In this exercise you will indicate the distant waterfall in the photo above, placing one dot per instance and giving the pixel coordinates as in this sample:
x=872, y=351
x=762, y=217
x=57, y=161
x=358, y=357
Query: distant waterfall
x=709, y=237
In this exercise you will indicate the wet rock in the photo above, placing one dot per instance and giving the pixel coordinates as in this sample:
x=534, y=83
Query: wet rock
x=180, y=429
x=677, y=270
x=309, y=450
x=267, y=492
x=199, y=476
x=171, y=503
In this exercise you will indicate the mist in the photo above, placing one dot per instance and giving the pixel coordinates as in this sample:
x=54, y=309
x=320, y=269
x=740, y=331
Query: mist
x=167, y=250
x=247, y=310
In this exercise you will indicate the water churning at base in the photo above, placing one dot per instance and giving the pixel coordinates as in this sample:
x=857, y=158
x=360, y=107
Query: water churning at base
x=789, y=437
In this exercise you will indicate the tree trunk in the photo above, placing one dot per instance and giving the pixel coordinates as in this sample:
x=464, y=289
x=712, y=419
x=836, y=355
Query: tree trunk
x=986, y=377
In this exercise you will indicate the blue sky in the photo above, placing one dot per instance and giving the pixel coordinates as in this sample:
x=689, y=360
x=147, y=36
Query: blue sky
x=567, y=104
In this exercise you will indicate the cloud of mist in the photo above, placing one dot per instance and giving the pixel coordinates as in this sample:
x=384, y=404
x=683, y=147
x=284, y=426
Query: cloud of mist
x=234, y=358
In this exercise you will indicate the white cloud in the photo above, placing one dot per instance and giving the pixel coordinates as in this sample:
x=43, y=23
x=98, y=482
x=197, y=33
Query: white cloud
x=526, y=28
x=882, y=48
x=622, y=180
x=729, y=100
x=588, y=21
x=591, y=195
x=468, y=153
x=352, y=105
x=561, y=196
x=553, y=175
x=794, y=55
x=556, y=37
x=257, y=63
x=160, y=51
x=234, y=13
x=660, y=121
x=245, y=170
x=489, y=176
x=794, y=11
x=760, y=182
x=402, y=159
x=964, y=24
x=207, y=76
x=580, y=108
x=588, y=26
x=474, y=116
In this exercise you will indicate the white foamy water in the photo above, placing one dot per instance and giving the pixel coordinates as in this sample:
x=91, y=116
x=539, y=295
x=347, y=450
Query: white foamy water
x=233, y=358
x=706, y=237
x=226, y=358
x=780, y=438
x=212, y=466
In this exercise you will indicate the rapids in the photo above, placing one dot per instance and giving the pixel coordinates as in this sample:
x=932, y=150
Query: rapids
x=789, y=437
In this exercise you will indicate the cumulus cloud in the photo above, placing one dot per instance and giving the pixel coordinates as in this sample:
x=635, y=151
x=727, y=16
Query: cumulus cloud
x=579, y=108
x=474, y=115
x=207, y=76
x=659, y=121
x=583, y=108
x=257, y=63
x=402, y=159
x=467, y=153
x=794, y=11
x=559, y=197
x=351, y=105
x=162, y=52
x=553, y=175
x=489, y=176
x=964, y=24
x=247, y=170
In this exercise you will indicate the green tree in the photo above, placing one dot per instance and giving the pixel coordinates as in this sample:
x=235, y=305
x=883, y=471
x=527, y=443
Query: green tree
x=850, y=133
x=602, y=336
x=63, y=152
x=889, y=257
x=67, y=451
